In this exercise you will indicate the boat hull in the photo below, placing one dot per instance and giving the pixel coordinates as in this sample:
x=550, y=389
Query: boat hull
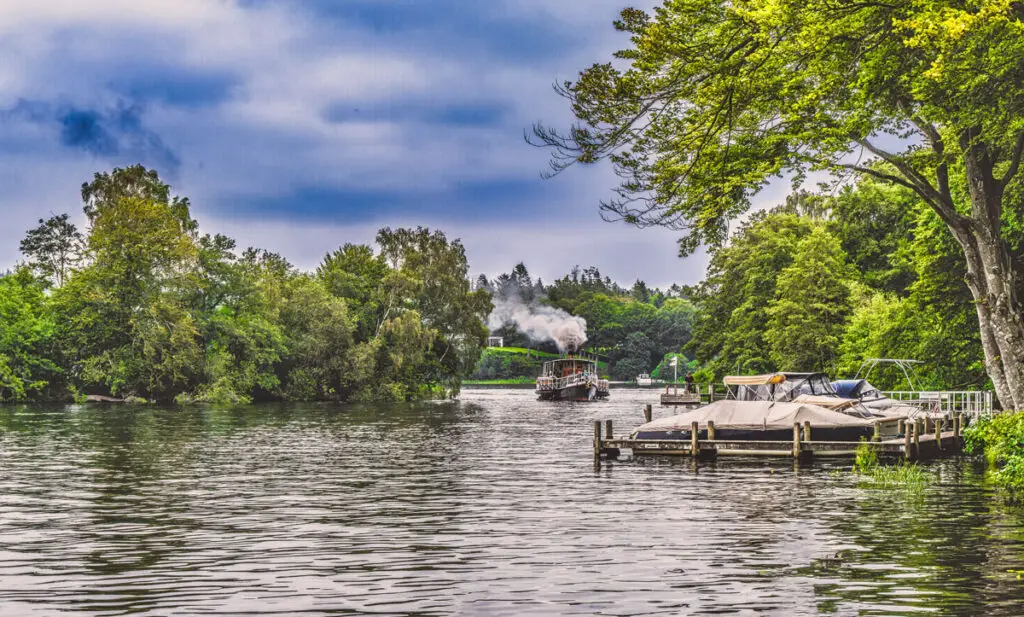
x=846, y=433
x=580, y=392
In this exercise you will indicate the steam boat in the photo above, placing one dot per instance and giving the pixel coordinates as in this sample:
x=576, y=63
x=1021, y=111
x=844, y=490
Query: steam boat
x=572, y=378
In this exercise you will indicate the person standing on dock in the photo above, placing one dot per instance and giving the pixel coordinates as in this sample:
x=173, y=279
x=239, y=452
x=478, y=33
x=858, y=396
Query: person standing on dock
x=689, y=382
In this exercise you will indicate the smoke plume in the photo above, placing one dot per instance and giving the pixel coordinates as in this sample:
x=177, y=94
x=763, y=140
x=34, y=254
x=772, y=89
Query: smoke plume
x=539, y=322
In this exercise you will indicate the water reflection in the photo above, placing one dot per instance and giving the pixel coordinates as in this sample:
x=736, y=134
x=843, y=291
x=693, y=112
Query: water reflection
x=490, y=505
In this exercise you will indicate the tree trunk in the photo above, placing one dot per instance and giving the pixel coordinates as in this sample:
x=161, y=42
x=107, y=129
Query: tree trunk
x=993, y=357
x=991, y=279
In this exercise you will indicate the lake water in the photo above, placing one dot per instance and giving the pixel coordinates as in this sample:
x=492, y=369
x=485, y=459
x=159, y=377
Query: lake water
x=486, y=506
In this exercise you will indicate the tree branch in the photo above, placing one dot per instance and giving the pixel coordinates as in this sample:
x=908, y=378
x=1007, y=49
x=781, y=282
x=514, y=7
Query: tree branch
x=1018, y=150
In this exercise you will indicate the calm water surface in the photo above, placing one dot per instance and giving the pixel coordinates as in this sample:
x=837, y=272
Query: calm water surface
x=486, y=506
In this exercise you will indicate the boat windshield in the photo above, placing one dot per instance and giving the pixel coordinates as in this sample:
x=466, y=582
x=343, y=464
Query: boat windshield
x=869, y=393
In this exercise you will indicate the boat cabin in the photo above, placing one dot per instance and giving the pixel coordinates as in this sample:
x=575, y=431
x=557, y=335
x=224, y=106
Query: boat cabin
x=779, y=387
x=564, y=367
x=571, y=378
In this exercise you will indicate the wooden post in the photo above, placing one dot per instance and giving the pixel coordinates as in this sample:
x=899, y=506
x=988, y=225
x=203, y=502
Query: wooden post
x=711, y=430
x=796, y=440
x=878, y=433
x=938, y=433
x=956, y=424
x=597, y=439
x=907, y=445
x=694, y=444
x=608, y=429
x=917, y=438
x=807, y=430
x=647, y=413
x=901, y=426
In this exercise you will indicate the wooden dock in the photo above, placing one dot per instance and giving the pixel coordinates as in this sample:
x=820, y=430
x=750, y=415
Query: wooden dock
x=915, y=444
x=672, y=396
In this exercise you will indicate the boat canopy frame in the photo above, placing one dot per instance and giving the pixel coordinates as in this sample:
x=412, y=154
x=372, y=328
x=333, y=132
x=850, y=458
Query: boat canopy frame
x=903, y=364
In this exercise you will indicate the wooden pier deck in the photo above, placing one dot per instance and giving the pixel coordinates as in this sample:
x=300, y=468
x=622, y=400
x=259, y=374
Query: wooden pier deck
x=915, y=444
x=672, y=396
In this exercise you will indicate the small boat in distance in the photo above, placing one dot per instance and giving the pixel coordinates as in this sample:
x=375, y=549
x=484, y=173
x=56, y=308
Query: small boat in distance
x=643, y=379
x=572, y=378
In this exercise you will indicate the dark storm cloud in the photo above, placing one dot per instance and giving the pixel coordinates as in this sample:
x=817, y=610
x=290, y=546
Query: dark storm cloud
x=115, y=134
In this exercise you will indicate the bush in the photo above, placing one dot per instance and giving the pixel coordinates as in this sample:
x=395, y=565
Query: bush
x=866, y=459
x=1000, y=438
x=505, y=365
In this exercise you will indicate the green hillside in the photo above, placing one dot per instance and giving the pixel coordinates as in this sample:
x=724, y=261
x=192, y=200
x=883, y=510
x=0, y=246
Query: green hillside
x=514, y=363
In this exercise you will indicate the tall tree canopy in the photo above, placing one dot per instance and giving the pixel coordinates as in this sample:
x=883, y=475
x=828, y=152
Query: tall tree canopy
x=718, y=97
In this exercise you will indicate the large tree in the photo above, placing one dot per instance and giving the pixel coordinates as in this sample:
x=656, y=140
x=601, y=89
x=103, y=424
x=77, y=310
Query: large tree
x=715, y=98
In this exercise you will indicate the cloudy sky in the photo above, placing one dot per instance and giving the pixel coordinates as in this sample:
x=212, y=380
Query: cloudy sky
x=298, y=125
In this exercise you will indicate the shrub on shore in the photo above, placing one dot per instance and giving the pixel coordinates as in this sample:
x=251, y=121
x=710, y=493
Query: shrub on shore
x=1000, y=438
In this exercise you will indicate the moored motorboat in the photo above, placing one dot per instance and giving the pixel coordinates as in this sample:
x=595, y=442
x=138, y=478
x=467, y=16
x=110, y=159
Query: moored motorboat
x=764, y=421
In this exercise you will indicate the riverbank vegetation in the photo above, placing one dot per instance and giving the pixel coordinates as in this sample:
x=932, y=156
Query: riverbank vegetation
x=1000, y=438
x=907, y=477
x=142, y=304
x=632, y=329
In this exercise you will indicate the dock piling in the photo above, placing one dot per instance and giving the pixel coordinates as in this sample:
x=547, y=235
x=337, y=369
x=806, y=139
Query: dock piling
x=878, y=433
x=917, y=439
x=901, y=426
x=796, y=440
x=608, y=429
x=711, y=430
x=907, y=452
x=938, y=432
x=807, y=431
x=597, y=439
x=694, y=443
x=647, y=413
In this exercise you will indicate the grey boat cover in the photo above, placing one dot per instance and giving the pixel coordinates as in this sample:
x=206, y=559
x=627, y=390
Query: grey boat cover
x=752, y=415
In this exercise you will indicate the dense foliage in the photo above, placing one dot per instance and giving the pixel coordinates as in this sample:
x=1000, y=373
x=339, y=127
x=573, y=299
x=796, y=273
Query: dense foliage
x=1001, y=439
x=825, y=281
x=143, y=305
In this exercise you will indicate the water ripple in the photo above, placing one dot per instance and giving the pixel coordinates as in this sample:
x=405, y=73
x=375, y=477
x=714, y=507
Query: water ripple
x=486, y=506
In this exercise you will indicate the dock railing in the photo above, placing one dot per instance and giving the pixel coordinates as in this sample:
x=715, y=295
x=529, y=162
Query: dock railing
x=576, y=379
x=971, y=402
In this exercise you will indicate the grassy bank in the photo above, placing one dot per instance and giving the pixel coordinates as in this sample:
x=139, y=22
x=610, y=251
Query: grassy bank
x=500, y=382
x=505, y=365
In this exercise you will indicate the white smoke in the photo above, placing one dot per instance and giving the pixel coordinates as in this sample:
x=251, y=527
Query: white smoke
x=539, y=322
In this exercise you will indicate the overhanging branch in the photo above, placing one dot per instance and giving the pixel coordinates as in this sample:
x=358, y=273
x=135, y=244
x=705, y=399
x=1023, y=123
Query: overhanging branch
x=1018, y=150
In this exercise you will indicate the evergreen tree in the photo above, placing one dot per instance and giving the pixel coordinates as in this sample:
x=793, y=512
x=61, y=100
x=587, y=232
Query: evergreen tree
x=808, y=315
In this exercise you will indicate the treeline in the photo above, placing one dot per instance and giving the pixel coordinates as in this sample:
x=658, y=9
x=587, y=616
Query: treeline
x=632, y=328
x=825, y=281
x=143, y=305
x=820, y=283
